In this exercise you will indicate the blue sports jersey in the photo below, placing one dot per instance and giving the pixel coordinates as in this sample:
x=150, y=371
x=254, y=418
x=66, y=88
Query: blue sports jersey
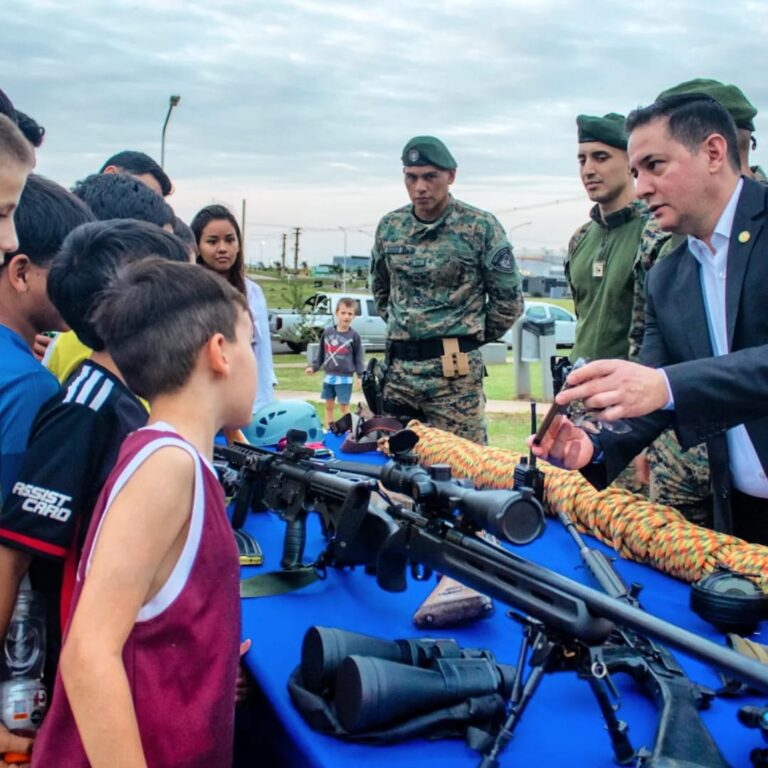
x=24, y=386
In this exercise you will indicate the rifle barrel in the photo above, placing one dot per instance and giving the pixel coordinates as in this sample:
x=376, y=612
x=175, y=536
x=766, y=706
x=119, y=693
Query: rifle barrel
x=526, y=586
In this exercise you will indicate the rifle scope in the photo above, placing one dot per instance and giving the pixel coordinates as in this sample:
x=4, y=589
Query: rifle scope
x=514, y=516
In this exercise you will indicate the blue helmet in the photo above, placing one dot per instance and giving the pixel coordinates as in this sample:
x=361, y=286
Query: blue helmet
x=271, y=423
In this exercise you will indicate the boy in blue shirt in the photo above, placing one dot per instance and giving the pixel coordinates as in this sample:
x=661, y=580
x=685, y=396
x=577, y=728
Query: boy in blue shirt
x=40, y=212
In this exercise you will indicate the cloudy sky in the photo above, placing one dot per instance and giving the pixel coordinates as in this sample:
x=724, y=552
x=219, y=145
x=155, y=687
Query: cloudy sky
x=301, y=107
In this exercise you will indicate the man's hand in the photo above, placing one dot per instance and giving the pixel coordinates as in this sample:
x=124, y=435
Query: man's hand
x=10, y=742
x=564, y=445
x=616, y=389
x=309, y=370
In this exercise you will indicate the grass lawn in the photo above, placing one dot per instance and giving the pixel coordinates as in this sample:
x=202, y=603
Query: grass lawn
x=499, y=385
x=509, y=430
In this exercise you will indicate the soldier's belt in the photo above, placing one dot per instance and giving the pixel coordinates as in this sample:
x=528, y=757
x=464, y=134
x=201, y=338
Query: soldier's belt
x=426, y=349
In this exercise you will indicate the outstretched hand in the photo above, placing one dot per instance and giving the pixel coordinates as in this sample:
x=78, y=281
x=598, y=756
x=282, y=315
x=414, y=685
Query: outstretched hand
x=564, y=445
x=616, y=389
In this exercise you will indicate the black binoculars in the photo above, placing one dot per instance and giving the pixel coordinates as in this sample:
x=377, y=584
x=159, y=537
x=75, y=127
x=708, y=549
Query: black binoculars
x=374, y=682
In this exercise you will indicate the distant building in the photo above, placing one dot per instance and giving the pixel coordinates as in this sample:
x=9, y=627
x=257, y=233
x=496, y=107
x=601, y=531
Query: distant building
x=323, y=270
x=353, y=263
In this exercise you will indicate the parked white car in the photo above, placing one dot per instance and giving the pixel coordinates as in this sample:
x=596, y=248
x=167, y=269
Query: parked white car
x=297, y=328
x=565, y=322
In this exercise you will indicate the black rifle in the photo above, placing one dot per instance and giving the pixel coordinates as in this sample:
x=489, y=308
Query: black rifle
x=294, y=483
x=567, y=620
x=680, y=732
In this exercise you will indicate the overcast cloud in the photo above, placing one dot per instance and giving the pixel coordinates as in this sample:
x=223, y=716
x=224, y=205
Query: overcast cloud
x=301, y=107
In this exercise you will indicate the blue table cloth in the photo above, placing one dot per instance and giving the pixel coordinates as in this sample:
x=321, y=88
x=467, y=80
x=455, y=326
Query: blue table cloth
x=562, y=725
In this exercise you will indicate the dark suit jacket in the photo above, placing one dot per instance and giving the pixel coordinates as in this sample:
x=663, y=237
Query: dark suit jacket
x=712, y=394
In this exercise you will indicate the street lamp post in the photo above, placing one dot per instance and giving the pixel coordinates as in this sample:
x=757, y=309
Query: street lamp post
x=172, y=102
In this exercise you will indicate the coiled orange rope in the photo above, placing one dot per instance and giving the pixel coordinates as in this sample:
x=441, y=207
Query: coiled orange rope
x=637, y=529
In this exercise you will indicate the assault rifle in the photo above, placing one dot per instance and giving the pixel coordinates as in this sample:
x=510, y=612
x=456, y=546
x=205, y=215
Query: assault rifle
x=567, y=624
x=292, y=484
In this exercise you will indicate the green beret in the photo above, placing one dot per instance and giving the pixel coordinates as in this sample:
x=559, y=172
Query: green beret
x=427, y=150
x=731, y=97
x=608, y=129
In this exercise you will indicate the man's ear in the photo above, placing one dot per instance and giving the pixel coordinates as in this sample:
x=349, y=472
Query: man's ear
x=111, y=169
x=216, y=353
x=716, y=148
x=17, y=269
x=451, y=175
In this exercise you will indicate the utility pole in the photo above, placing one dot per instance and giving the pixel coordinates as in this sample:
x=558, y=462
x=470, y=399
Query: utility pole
x=282, y=259
x=296, y=251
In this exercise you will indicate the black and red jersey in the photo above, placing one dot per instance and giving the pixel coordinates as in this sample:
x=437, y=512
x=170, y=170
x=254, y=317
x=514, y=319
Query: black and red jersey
x=73, y=445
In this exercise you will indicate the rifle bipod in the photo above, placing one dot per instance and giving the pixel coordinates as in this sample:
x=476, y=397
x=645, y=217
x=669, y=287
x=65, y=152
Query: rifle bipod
x=546, y=651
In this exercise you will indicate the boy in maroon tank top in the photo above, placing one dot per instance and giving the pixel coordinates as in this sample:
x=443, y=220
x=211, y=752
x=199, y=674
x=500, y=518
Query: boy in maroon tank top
x=150, y=655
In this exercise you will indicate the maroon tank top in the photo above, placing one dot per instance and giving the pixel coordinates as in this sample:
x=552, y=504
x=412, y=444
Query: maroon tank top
x=181, y=656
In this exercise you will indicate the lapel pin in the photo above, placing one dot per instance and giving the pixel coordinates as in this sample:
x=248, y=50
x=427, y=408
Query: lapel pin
x=744, y=236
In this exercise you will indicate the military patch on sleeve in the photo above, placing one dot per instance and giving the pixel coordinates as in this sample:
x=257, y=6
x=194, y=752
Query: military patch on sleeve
x=503, y=260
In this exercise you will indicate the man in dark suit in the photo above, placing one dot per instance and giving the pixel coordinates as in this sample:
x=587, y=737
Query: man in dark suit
x=705, y=353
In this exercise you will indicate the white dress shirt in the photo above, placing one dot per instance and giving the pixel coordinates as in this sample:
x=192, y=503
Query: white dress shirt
x=747, y=473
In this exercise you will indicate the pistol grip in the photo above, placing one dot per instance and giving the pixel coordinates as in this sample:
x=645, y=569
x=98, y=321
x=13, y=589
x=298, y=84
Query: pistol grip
x=293, y=546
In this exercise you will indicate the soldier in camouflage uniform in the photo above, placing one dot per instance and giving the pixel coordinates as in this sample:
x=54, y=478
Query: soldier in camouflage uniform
x=681, y=478
x=603, y=252
x=444, y=278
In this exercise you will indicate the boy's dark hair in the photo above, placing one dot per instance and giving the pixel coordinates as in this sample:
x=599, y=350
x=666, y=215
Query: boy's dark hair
x=6, y=106
x=156, y=316
x=33, y=132
x=138, y=163
x=691, y=117
x=46, y=214
x=346, y=301
x=184, y=232
x=120, y=196
x=89, y=259
x=203, y=218
x=13, y=145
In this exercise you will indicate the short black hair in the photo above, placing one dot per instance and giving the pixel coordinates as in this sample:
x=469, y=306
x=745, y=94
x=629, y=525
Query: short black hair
x=6, y=106
x=13, y=146
x=120, y=196
x=184, y=232
x=691, y=117
x=89, y=259
x=138, y=163
x=156, y=316
x=46, y=214
x=33, y=132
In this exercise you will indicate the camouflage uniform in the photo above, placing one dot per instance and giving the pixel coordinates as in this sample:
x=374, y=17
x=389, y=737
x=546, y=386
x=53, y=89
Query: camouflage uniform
x=678, y=478
x=453, y=277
